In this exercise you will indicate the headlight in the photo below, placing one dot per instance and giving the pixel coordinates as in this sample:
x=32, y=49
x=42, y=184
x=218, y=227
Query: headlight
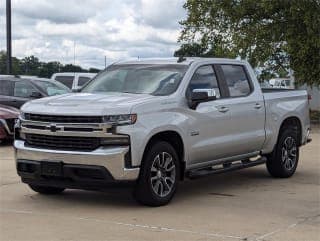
x=128, y=119
x=22, y=116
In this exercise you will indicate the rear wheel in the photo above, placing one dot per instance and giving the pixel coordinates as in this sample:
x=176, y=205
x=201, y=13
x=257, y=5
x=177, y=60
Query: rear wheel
x=46, y=190
x=159, y=175
x=283, y=161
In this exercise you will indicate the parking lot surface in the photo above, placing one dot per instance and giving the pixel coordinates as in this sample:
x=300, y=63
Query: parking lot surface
x=243, y=205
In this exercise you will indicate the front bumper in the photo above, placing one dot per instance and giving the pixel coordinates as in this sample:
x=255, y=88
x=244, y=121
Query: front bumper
x=111, y=159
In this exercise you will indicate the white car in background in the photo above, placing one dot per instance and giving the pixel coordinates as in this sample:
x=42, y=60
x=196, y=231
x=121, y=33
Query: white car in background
x=73, y=80
x=284, y=83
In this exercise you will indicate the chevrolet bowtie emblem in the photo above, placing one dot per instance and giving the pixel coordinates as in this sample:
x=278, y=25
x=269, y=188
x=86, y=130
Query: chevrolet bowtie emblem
x=53, y=128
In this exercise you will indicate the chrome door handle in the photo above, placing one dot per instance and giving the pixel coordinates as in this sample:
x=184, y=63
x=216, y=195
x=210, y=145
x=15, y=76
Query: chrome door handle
x=257, y=106
x=223, y=109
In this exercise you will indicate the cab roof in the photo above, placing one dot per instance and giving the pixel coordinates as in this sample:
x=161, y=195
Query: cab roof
x=182, y=61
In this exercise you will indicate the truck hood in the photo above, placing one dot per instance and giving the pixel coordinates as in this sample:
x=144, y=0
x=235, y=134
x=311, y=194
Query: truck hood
x=86, y=104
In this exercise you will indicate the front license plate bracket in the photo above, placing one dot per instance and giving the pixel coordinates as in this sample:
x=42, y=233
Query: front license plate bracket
x=52, y=168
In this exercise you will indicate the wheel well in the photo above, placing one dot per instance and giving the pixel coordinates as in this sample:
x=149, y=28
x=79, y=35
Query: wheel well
x=175, y=140
x=294, y=122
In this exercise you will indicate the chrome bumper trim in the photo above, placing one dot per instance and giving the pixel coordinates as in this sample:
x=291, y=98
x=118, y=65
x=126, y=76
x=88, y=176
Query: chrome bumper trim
x=112, y=158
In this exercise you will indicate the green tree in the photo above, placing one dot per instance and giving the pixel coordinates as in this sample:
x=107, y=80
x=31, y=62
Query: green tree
x=94, y=70
x=48, y=69
x=16, y=68
x=275, y=35
x=191, y=50
x=205, y=49
x=72, y=68
x=30, y=65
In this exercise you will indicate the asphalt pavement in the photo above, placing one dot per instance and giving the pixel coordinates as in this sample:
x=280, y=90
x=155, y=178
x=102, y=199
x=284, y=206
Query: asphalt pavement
x=243, y=205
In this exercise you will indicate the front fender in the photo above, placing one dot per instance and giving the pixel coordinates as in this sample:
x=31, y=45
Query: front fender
x=149, y=125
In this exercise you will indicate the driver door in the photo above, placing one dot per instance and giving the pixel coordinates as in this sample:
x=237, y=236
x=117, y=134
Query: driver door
x=209, y=135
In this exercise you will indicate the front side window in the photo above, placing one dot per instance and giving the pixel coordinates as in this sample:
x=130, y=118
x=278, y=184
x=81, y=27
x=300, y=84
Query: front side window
x=236, y=79
x=23, y=89
x=66, y=80
x=205, y=78
x=154, y=79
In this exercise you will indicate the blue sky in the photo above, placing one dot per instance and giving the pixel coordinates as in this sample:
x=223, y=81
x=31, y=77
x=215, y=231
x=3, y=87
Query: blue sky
x=117, y=29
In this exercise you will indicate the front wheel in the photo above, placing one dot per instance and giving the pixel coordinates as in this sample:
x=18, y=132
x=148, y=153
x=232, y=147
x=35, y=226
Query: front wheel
x=159, y=175
x=283, y=161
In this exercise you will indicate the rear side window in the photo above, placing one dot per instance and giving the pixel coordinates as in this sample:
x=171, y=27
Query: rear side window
x=23, y=89
x=236, y=80
x=83, y=80
x=205, y=78
x=6, y=87
x=66, y=80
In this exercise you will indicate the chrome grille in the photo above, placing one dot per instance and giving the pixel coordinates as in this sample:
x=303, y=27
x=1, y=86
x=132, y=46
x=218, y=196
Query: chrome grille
x=63, y=119
x=62, y=142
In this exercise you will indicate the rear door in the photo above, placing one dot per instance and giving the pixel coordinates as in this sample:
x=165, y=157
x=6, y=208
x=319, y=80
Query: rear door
x=246, y=107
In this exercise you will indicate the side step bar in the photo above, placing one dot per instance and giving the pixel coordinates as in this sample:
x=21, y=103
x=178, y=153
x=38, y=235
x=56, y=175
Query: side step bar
x=193, y=174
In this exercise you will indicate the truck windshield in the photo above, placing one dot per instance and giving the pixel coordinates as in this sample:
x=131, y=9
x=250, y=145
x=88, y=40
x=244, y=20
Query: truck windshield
x=138, y=79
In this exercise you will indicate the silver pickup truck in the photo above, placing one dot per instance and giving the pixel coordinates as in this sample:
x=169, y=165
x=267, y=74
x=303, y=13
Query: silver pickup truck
x=152, y=123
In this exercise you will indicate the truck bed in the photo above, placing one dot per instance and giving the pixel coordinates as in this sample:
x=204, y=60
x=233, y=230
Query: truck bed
x=280, y=104
x=270, y=90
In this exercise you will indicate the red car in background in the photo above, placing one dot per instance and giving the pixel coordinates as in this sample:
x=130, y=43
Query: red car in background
x=8, y=115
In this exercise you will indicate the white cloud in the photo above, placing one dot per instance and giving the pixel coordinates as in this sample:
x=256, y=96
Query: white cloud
x=162, y=13
x=116, y=29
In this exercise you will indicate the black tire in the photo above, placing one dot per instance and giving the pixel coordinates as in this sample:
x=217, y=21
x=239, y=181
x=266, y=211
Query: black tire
x=148, y=190
x=46, y=190
x=283, y=161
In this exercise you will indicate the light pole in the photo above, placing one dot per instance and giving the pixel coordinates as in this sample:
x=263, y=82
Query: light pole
x=9, y=46
x=74, y=52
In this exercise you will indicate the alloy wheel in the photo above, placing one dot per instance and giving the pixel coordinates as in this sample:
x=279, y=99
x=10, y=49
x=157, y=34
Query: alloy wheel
x=289, y=153
x=163, y=174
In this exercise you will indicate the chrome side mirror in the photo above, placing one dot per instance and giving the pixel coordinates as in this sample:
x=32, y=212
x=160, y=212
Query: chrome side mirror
x=211, y=92
x=201, y=95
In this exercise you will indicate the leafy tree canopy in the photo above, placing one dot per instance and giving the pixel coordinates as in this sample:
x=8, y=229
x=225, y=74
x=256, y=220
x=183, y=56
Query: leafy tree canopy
x=276, y=35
